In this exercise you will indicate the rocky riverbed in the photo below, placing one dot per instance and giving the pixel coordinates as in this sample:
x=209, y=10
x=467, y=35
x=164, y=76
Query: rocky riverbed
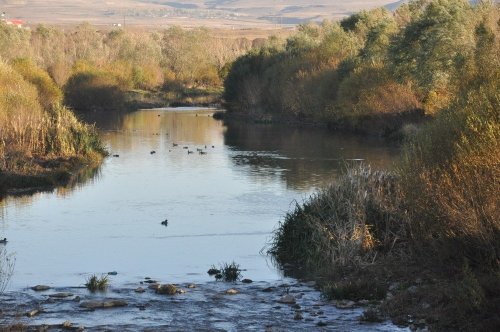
x=212, y=306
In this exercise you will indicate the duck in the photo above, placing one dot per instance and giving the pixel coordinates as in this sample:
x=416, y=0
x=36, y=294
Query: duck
x=116, y=155
x=4, y=240
x=165, y=222
x=189, y=152
x=175, y=144
x=153, y=152
x=203, y=152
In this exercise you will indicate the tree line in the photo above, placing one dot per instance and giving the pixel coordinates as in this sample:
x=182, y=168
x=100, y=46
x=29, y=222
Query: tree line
x=371, y=72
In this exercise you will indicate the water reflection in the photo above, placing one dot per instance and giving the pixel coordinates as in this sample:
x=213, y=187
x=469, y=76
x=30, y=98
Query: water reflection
x=302, y=157
x=81, y=177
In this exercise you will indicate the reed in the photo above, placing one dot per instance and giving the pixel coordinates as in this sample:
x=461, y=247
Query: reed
x=346, y=224
x=29, y=131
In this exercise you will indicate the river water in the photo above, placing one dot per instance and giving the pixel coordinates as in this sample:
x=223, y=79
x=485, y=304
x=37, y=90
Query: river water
x=222, y=206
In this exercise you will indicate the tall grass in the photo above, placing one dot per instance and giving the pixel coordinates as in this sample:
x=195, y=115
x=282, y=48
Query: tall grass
x=345, y=224
x=29, y=131
x=451, y=179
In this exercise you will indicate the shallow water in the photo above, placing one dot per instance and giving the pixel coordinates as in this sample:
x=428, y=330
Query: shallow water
x=221, y=206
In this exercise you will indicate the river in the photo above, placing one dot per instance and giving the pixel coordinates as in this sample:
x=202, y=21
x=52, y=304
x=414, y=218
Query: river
x=221, y=204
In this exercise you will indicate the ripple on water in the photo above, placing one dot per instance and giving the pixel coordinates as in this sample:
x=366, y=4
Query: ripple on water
x=206, y=307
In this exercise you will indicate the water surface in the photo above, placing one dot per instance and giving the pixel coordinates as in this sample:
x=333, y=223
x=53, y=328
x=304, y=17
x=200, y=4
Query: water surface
x=221, y=206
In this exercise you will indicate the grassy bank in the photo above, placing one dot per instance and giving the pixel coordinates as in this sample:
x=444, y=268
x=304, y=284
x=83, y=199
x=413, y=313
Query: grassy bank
x=41, y=142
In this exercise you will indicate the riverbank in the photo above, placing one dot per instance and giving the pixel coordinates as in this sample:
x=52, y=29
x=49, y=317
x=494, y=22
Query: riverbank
x=391, y=127
x=47, y=173
x=358, y=239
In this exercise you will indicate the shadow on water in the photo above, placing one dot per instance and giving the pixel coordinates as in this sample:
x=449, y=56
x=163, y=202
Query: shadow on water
x=302, y=157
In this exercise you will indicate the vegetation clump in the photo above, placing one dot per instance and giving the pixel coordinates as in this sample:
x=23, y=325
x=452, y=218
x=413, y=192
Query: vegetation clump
x=228, y=272
x=95, y=283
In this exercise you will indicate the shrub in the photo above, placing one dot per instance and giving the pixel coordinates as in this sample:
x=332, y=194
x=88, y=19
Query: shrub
x=345, y=224
x=49, y=94
x=94, y=90
x=450, y=174
x=95, y=283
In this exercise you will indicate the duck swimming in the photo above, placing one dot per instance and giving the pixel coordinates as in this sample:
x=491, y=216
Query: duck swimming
x=4, y=240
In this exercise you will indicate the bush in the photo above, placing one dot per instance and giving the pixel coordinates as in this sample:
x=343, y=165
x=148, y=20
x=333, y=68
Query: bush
x=49, y=94
x=94, y=90
x=450, y=175
x=345, y=224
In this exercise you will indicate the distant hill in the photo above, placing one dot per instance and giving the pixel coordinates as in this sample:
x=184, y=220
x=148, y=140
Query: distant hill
x=213, y=13
x=395, y=5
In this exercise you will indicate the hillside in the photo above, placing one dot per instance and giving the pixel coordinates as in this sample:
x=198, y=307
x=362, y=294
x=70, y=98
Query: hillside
x=212, y=13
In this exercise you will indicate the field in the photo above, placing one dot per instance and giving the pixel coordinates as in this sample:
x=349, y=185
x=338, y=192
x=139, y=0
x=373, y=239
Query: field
x=227, y=14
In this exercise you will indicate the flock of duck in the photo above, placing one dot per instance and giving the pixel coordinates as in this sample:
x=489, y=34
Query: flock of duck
x=199, y=150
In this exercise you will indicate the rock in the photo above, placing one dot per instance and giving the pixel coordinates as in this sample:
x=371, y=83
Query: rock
x=167, y=289
x=298, y=316
x=155, y=286
x=66, y=325
x=40, y=288
x=103, y=304
x=191, y=286
x=321, y=323
x=247, y=281
x=425, y=305
x=268, y=289
x=112, y=273
x=91, y=304
x=33, y=313
x=150, y=281
x=139, y=290
x=77, y=299
x=180, y=291
x=389, y=296
x=343, y=304
x=287, y=299
x=296, y=306
x=232, y=291
x=60, y=295
x=114, y=304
